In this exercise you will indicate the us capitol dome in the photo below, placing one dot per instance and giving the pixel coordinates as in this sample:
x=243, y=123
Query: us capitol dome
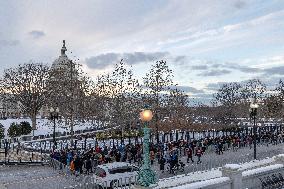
x=63, y=65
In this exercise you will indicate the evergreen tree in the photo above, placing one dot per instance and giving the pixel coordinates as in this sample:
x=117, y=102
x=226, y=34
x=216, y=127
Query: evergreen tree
x=25, y=128
x=2, y=131
x=14, y=130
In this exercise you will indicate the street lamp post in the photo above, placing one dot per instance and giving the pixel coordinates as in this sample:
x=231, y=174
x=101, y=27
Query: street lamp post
x=253, y=113
x=53, y=116
x=146, y=175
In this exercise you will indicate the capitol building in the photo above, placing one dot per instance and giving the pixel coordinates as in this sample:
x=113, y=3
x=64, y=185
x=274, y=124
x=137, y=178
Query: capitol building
x=61, y=69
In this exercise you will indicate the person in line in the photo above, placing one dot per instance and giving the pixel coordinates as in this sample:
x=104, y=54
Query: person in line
x=162, y=162
x=198, y=154
x=189, y=155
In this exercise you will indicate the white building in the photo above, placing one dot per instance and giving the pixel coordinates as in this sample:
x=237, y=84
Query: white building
x=62, y=66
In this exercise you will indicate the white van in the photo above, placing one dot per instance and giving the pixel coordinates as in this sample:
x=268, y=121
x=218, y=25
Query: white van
x=115, y=174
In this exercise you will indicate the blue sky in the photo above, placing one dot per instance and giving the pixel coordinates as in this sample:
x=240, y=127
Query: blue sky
x=205, y=42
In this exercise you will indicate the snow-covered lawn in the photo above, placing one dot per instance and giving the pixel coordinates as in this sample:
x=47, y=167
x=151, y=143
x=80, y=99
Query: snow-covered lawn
x=45, y=126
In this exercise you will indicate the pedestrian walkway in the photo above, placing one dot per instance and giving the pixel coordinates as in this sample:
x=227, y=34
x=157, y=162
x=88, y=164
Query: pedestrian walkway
x=212, y=160
x=32, y=177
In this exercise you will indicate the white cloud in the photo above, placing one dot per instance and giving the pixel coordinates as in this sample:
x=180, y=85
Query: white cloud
x=36, y=34
x=266, y=62
x=228, y=35
x=249, y=32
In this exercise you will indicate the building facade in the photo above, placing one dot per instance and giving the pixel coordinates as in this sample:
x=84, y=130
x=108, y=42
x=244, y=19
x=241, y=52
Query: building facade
x=62, y=66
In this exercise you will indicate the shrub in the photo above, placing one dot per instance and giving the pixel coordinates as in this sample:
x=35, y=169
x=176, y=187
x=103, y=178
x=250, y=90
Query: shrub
x=2, y=131
x=25, y=128
x=14, y=130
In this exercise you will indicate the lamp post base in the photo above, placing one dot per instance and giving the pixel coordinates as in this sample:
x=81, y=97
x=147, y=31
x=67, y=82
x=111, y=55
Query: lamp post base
x=142, y=187
x=146, y=177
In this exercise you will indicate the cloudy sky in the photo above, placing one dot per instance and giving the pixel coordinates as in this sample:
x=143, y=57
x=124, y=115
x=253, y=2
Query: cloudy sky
x=205, y=42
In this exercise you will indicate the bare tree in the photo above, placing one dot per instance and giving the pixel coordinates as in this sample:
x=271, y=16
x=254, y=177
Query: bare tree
x=126, y=95
x=178, y=109
x=99, y=104
x=227, y=98
x=158, y=81
x=117, y=97
x=27, y=85
x=274, y=102
x=69, y=88
x=254, y=89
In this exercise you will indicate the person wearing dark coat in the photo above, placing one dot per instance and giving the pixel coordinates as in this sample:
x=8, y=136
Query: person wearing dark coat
x=80, y=165
x=77, y=165
x=162, y=164
x=117, y=156
x=88, y=165
x=198, y=154
x=189, y=155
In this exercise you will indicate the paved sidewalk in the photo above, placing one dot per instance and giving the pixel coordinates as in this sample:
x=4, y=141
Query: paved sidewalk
x=32, y=177
x=214, y=160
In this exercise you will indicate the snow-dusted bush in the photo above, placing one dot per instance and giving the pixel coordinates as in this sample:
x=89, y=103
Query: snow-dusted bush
x=17, y=129
x=2, y=131
x=25, y=128
x=14, y=130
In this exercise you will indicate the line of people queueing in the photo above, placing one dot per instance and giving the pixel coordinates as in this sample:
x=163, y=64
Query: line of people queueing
x=85, y=161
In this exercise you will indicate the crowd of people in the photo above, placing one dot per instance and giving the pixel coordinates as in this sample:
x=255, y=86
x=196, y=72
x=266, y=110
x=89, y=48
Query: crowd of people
x=85, y=161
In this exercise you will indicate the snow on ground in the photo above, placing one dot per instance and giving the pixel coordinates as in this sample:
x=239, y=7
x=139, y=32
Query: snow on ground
x=256, y=163
x=232, y=166
x=251, y=164
x=261, y=169
x=188, y=178
x=204, y=183
x=45, y=126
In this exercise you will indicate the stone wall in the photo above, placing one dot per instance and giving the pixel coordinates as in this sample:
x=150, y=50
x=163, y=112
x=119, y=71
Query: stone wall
x=253, y=180
x=244, y=176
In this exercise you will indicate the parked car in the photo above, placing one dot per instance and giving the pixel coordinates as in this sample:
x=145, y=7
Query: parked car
x=115, y=174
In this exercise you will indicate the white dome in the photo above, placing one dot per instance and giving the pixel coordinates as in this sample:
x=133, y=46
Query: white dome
x=62, y=62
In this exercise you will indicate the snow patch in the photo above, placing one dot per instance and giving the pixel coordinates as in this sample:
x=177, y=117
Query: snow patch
x=45, y=126
x=232, y=166
x=261, y=169
x=256, y=163
x=204, y=183
x=189, y=178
